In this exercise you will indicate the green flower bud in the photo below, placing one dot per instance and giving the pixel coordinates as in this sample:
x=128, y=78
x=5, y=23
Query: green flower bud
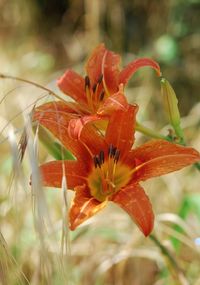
x=171, y=107
x=170, y=102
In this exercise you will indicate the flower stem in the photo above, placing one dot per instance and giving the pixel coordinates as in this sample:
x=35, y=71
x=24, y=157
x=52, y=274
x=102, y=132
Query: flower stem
x=146, y=131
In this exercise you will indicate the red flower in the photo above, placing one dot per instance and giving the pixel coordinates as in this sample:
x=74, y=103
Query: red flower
x=107, y=168
x=101, y=91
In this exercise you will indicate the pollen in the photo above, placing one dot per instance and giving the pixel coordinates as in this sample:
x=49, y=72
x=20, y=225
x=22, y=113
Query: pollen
x=108, y=174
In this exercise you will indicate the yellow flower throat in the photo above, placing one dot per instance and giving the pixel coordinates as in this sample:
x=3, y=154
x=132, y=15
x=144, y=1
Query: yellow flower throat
x=108, y=176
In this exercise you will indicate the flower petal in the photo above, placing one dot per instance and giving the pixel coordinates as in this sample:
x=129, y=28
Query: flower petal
x=93, y=140
x=52, y=173
x=110, y=71
x=73, y=85
x=114, y=102
x=94, y=64
x=84, y=206
x=159, y=157
x=76, y=125
x=133, y=66
x=54, y=116
x=136, y=203
x=120, y=130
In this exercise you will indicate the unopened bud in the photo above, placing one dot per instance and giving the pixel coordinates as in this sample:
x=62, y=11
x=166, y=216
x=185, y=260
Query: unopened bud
x=170, y=102
x=171, y=106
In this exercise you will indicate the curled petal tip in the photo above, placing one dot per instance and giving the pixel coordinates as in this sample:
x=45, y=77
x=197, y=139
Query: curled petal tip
x=133, y=66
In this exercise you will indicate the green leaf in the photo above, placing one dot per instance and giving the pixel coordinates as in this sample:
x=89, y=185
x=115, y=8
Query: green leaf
x=53, y=146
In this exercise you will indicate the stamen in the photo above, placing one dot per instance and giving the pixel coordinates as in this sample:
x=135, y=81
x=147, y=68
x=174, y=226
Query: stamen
x=101, y=157
x=88, y=92
x=117, y=154
x=96, y=161
x=110, y=150
x=94, y=88
x=100, y=79
x=101, y=96
x=87, y=81
x=113, y=151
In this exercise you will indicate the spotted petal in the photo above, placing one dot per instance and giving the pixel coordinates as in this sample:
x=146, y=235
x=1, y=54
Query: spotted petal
x=120, y=130
x=94, y=64
x=113, y=103
x=84, y=206
x=76, y=125
x=110, y=71
x=73, y=85
x=52, y=173
x=54, y=116
x=159, y=157
x=136, y=203
x=133, y=66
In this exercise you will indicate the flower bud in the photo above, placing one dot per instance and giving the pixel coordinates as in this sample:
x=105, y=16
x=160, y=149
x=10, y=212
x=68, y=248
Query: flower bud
x=170, y=103
x=171, y=107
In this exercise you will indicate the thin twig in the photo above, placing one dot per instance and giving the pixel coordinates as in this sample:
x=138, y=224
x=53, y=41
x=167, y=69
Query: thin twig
x=6, y=76
x=171, y=259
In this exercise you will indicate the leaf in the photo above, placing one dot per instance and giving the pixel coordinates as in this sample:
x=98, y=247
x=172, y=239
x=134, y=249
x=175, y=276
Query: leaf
x=54, y=148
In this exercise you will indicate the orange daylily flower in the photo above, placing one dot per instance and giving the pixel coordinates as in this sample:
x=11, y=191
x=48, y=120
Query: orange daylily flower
x=107, y=169
x=101, y=91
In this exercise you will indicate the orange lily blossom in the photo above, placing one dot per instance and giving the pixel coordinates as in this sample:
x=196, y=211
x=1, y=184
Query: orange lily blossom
x=101, y=91
x=107, y=167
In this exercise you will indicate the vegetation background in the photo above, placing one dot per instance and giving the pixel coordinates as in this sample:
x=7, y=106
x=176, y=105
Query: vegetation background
x=39, y=40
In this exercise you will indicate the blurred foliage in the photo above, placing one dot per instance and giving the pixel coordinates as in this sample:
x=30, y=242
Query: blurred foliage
x=39, y=40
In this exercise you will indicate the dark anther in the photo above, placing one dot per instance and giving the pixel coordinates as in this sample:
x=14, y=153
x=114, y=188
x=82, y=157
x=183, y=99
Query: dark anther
x=100, y=79
x=101, y=96
x=87, y=81
x=96, y=161
x=116, y=157
x=113, y=151
x=101, y=157
x=110, y=148
x=94, y=88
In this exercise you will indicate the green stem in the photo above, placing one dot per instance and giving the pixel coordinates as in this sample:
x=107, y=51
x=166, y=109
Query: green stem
x=180, y=134
x=146, y=131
